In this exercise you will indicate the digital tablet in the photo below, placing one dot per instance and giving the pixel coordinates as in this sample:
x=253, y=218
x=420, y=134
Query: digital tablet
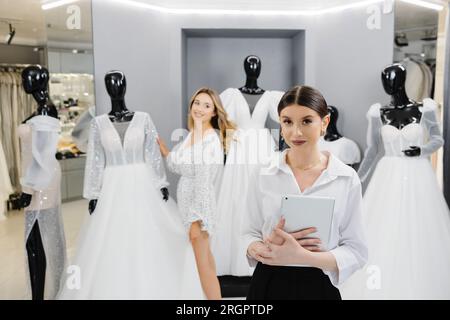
x=303, y=212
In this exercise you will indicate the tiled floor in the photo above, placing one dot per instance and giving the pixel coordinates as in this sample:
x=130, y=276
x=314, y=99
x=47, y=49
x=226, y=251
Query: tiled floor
x=12, y=250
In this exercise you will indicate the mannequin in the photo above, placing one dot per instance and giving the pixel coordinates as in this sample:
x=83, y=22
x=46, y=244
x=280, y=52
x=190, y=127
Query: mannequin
x=343, y=148
x=403, y=198
x=116, y=86
x=35, y=81
x=252, y=92
x=250, y=108
x=252, y=67
x=332, y=133
x=402, y=110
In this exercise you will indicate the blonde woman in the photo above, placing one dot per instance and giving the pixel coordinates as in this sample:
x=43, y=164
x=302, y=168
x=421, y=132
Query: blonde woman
x=197, y=159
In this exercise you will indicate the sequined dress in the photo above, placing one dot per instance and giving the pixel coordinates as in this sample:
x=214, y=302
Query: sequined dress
x=199, y=165
x=41, y=178
x=133, y=246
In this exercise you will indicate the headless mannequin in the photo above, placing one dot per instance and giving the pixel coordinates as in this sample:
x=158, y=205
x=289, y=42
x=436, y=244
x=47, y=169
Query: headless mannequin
x=119, y=115
x=252, y=67
x=35, y=81
x=251, y=91
x=402, y=110
x=332, y=133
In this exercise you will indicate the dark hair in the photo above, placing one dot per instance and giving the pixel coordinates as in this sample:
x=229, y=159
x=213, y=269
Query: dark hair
x=304, y=96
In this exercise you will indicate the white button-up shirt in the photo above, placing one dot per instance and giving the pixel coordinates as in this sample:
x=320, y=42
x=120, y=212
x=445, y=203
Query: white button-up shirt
x=338, y=181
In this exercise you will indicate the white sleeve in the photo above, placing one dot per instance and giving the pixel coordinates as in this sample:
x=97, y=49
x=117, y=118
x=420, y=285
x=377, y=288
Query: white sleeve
x=273, y=108
x=435, y=140
x=226, y=97
x=373, y=141
x=351, y=253
x=253, y=221
x=153, y=154
x=95, y=164
x=44, y=144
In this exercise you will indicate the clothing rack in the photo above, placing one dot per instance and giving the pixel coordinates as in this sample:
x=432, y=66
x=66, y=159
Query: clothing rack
x=13, y=66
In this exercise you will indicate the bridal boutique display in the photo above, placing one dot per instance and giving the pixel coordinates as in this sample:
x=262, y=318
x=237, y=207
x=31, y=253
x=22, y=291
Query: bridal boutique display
x=405, y=215
x=43, y=221
x=5, y=183
x=252, y=145
x=41, y=187
x=134, y=245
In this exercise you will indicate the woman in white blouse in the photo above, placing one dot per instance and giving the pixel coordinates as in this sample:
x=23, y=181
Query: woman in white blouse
x=302, y=169
x=197, y=159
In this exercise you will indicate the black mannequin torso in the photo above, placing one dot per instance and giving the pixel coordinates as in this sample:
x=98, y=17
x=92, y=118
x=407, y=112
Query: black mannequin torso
x=402, y=110
x=116, y=86
x=35, y=82
x=252, y=92
x=252, y=67
x=332, y=133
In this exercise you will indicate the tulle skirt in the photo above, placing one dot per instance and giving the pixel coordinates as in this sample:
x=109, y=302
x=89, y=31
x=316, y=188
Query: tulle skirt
x=250, y=149
x=408, y=229
x=134, y=245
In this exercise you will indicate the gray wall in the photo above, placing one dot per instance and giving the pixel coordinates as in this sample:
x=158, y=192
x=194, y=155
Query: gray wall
x=342, y=58
x=218, y=62
x=20, y=54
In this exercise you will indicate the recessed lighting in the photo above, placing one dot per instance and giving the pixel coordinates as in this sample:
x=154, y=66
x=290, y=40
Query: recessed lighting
x=337, y=8
x=55, y=4
x=425, y=4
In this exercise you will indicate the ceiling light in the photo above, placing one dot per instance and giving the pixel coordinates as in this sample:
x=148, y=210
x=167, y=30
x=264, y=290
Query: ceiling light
x=425, y=4
x=55, y=4
x=143, y=5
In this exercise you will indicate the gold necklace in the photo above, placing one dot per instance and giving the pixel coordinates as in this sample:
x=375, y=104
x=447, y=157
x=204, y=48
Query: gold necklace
x=310, y=166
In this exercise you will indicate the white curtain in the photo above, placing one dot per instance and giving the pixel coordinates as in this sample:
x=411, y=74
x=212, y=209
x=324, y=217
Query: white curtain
x=15, y=106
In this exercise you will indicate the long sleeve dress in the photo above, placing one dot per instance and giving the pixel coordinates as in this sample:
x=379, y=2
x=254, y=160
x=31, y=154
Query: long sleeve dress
x=405, y=214
x=133, y=246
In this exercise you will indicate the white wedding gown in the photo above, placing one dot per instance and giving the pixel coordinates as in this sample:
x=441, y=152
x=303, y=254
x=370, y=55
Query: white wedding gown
x=134, y=245
x=405, y=215
x=252, y=145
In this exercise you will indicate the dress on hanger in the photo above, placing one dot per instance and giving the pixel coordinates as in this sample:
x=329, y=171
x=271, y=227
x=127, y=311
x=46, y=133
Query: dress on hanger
x=41, y=177
x=405, y=215
x=251, y=146
x=133, y=246
x=5, y=183
x=343, y=148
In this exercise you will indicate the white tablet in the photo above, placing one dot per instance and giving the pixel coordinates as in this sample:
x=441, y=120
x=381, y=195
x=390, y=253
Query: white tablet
x=303, y=212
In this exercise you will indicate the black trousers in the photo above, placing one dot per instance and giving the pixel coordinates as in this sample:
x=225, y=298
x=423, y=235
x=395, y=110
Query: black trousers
x=291, y=283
